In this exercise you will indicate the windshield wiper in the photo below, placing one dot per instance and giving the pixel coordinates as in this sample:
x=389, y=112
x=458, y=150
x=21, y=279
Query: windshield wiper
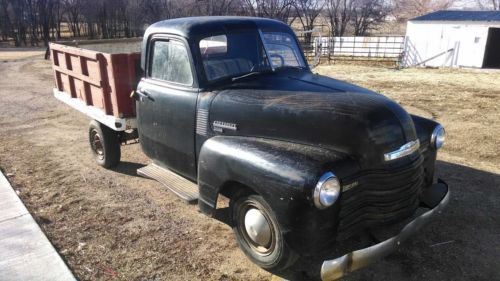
x=252, y=73
x=292, y=66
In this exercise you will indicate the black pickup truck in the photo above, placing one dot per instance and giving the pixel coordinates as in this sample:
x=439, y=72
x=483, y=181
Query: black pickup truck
x=315, y=168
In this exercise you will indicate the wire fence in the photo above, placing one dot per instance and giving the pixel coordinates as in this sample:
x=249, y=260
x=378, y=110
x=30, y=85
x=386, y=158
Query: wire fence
x=389, y=49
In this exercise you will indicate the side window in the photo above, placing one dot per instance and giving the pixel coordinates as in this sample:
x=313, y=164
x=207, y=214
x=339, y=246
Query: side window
x=170, y=62
x=213, y=46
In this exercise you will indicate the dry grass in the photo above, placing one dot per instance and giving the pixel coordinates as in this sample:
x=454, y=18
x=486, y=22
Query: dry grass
x=8, y=54
x=113, y=225
x=466, y=102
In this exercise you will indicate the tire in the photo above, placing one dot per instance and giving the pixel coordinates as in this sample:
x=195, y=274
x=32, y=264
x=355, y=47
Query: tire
x=104, y=144
x=272, y=254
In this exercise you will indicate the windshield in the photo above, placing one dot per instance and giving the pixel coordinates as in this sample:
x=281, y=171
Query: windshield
x=283, y=50
x=238, y=53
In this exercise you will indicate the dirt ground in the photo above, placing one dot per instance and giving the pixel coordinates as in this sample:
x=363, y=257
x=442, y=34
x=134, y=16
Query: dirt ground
x=113, y=225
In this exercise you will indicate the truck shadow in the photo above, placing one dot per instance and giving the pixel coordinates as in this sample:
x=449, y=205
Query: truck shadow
x=128, y=168
x=465, y=233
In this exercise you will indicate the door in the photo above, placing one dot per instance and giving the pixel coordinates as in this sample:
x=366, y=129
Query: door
x=167, y=105
x=492, y=49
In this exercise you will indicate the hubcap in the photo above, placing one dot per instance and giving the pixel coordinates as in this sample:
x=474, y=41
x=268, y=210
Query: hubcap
x=258, y=228
x=97, y=144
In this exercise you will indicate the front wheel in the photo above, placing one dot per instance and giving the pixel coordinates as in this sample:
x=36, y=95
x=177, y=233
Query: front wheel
x=259, y=234
x=105, y=144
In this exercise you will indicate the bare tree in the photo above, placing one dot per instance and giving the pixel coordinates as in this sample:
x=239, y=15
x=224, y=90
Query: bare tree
x=155, y=10
x=73, y=10
x=367, y=15
x=406, y=9
x=15, y=15
x=339, y=14
x=134, y=18
x=307, y=12
x=35, y=21
x=45, y=17
x=489, y=4
x=215, y=7
x=5, y=24
x=56, y=19
x=360, y=16
x=275, y=9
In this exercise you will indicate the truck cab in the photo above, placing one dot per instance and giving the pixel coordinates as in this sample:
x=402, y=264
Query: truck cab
x=186, y=63
x=312, y=166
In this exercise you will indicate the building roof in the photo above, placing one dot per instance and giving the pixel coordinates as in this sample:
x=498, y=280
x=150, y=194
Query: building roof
x=451, y=15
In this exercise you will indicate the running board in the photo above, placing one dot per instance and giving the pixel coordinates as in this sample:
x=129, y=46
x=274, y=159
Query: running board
x=185, y=189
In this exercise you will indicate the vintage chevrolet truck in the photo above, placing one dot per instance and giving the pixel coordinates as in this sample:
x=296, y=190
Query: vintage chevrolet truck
x=315, y=169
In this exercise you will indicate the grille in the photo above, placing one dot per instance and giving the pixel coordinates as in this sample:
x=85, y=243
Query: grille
x=381, y=197
x=202, y=122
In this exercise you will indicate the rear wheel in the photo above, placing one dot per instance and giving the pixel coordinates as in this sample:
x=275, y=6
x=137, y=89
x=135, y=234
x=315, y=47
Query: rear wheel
x=105, y=144
x=259, y=234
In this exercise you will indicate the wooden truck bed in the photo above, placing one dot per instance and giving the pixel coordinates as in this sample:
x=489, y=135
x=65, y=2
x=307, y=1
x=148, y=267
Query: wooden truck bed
x=97, y=78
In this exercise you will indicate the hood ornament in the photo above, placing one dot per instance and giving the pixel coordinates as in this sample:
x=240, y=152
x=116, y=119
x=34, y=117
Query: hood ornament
x=404, y=150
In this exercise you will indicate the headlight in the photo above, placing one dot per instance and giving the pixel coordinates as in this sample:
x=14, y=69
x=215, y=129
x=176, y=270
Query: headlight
x=437, y=137
x=327, y=191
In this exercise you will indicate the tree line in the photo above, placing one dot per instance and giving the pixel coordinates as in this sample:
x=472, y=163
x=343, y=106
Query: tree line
x=34, y=22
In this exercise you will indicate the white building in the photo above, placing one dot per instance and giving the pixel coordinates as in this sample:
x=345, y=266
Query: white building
x=454, y=39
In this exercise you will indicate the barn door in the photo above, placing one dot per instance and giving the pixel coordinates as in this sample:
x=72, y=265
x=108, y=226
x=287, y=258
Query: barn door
x=491, y=53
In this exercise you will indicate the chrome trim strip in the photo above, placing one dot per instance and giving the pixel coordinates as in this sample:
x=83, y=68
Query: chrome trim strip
x=336, y=268
x=404, y=150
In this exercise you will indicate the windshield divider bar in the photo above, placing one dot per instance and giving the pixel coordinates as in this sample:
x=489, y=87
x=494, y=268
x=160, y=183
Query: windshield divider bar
x=261, y=35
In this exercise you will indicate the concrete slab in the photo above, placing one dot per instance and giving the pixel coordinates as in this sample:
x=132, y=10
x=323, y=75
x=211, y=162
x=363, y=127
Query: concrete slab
x=10, y=205
x=25, y=251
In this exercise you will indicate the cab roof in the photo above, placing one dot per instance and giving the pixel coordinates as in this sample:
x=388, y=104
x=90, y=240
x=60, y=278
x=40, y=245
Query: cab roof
x=196, y=28
x=193, y=27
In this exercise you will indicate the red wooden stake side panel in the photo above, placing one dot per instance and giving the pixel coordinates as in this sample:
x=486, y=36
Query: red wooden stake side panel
x=102, y=80
x=123, y=67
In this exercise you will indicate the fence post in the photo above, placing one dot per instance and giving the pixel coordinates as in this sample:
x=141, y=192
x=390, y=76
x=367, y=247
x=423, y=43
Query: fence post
x=403, y=53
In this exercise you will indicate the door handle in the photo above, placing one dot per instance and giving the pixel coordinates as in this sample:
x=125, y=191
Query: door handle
x=141, y=94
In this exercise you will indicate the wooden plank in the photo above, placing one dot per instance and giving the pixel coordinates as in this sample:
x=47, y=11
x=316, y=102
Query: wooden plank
x=98, y=41
x=74, y=51
x=104, y=64
x=77, y=75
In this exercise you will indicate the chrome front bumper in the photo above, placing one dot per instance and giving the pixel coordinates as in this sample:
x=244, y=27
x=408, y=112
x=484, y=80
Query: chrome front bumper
x=336, y=268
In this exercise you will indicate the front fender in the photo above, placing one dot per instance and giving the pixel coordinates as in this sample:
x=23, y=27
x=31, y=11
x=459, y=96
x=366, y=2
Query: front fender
x=283, y=173
x=424, y=128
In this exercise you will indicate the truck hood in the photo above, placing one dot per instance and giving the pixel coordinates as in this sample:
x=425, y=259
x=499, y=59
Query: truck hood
x=315, y=110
